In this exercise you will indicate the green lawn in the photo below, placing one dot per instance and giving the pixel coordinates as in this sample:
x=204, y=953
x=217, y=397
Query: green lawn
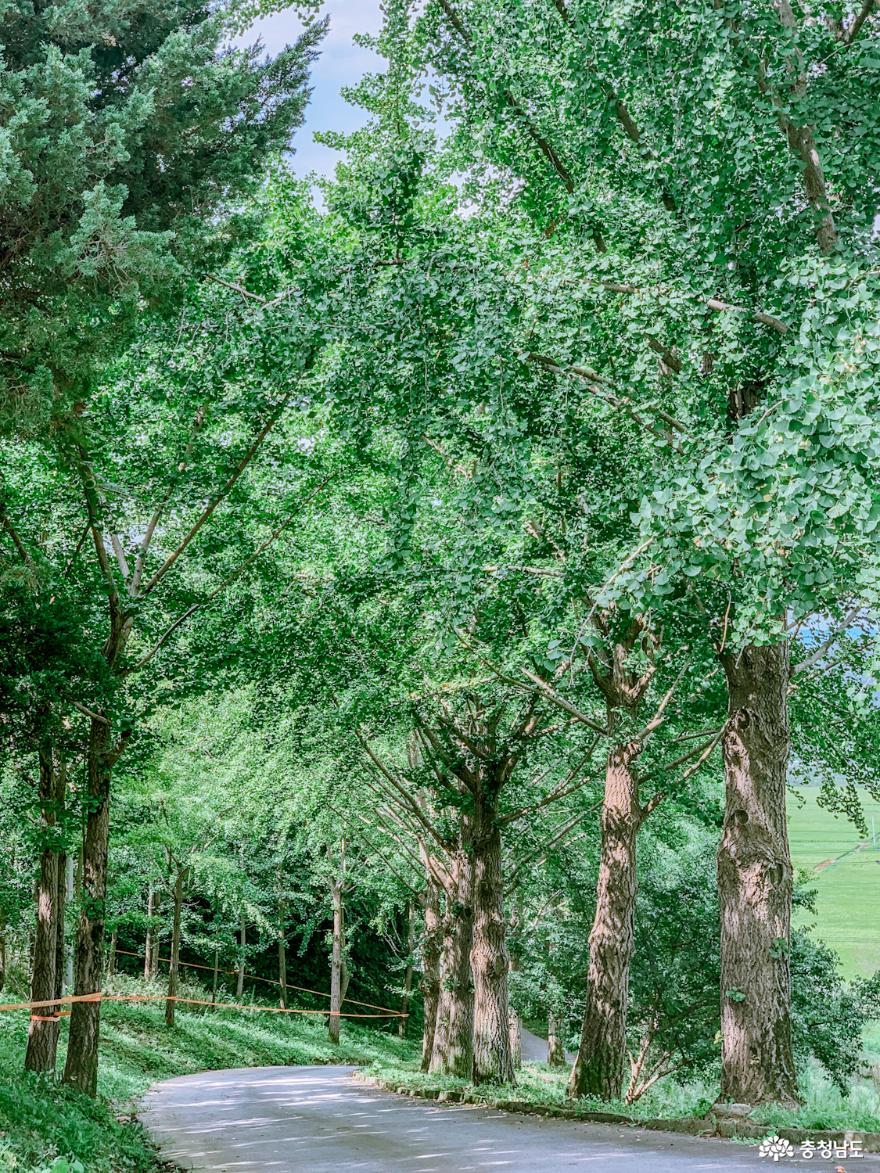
x=43, y=1127
x=848, y=891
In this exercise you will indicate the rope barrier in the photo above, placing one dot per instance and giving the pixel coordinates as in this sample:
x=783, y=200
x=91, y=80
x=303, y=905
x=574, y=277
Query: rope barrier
x=253, y=977
x=70, y=999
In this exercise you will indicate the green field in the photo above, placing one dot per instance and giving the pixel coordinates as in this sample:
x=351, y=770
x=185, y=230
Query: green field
x=848, y=890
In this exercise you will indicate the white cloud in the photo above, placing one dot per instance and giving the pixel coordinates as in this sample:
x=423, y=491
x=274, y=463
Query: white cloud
x=341, y=63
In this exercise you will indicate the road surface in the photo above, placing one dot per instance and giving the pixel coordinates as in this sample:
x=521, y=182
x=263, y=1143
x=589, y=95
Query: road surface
x=320, y=1120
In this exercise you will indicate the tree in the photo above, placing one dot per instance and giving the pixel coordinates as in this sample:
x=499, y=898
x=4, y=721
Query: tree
x=598, y=118
x=152, y=127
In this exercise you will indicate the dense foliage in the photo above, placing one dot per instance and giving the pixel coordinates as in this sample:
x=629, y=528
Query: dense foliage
x=414, y=584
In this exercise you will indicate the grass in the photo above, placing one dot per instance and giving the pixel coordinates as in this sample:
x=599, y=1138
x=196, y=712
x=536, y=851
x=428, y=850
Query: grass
x=538, y=1084
x=846, y=889
x=823, y=1108
x=43, y=1126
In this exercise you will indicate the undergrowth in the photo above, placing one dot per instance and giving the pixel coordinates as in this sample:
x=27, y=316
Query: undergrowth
x=824, y=1106
x=44, y=1126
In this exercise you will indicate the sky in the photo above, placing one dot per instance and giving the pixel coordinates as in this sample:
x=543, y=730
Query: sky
x=341, y=62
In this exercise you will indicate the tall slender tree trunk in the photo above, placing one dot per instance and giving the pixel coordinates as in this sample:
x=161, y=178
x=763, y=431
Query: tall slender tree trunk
x=111, y=955
x=81, y=1068
x=44, y=1025
x=148, y=940
x=599, y=1067
x=61, y=910
x=336, y=960
x=430, y=981
x=174, y=966
x=70, y=887
x=755, y=882
x=282, y=955
x=513, y=948
x=403, y=1025
x=490, y=961
x=555, y=1048
x=242, y=954
x=216, y=978
x=453, y=1050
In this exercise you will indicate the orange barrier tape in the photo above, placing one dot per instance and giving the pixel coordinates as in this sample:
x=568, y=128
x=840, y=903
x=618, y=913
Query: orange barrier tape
x=69, y=999
x=253, y=977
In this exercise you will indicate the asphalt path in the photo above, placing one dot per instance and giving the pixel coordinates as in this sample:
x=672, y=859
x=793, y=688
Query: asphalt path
x=319, y=1119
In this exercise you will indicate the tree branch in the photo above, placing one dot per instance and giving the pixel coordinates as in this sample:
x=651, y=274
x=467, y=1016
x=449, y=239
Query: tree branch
x=20, y=547
x=229, y=579
x=597, y=385
x=541, y=142
x=90, y=493
x=222, y=494
x=861, y=16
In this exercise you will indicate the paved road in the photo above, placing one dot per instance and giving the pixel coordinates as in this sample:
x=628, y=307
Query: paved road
x=534, y=1048
x=319, y=1120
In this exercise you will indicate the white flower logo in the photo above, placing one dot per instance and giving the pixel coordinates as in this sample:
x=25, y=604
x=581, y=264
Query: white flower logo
x=775, y=1148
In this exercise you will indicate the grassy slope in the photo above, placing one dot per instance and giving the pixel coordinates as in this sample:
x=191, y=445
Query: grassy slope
x=846, y=891
x=824, y=1107
x=39, y=1121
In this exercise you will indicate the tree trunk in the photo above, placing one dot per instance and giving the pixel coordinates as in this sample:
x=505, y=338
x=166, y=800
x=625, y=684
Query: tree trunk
x=111, y=955
x=515, y=1034
x=44, y=1025
x=555, y=1048
x=282, y=956
x=599, y=1066
x=69, y=890
x=513, y=948
x=430, y=983
x=755, y=882
x=242, y=936
x=453, y=1050
x=174, y=965
x=2, y=952
x=337, y=960
x=61, y=908
x=81, y=1068
x=216, y=975
x=490, y=962
x=148, y=941
x=403, y=1025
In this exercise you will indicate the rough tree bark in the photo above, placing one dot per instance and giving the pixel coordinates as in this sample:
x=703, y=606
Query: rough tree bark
x=70, y=889
x=148, y=941
x=44, y=1025
x=599, y=1066
x=453, y=1050
x=81, y=1067
x=490, y=961
x=555, y=1049
x=430, y=981
x=755, y=882
x=337, y=959
x=61, y=912
x=174, y=965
